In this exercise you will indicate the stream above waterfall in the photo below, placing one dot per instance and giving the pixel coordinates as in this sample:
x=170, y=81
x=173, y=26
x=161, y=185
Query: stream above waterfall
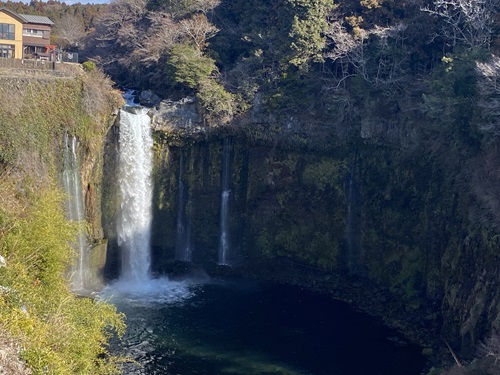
x=236, y=326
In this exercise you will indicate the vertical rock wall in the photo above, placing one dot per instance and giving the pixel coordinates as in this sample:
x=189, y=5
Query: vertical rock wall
x=391, y=217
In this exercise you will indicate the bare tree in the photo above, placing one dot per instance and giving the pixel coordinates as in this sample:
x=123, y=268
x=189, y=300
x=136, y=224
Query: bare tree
x=350, y=53
x=488, y=87
x=163, y=34
x=467, y=21
x=198, y=29
x=347, y=51
x=204, y=5
x=70, y=31
x=119, y=14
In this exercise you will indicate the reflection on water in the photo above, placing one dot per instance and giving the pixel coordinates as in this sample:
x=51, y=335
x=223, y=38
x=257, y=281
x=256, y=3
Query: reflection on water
x=214, y=327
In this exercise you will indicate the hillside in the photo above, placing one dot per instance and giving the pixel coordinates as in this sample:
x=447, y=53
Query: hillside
x=56, y=331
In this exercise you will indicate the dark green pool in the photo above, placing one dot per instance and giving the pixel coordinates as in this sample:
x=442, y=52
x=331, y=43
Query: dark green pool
x=234, y=327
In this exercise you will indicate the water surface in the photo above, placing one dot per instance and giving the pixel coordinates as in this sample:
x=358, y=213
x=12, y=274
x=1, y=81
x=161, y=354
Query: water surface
x=237, y=327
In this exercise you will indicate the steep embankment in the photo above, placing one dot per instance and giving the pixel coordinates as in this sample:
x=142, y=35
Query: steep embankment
x=58, y=332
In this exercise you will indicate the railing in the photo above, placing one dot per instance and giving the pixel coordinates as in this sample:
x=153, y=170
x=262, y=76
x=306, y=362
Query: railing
x=27, y=64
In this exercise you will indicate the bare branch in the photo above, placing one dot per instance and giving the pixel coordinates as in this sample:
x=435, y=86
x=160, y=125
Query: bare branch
x=70, y=30
x=467, y=21
x=198, y=29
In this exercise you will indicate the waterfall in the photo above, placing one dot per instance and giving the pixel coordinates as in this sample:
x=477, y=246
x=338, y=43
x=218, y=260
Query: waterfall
x=74, y=209
x=224, y=245
x=134, y=180
x=353, y=229
x=183, y=246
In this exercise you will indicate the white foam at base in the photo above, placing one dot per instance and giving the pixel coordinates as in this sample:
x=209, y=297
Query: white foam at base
x=159, y=291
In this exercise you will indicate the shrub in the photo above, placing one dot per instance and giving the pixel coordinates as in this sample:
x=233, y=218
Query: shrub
x=217, y=103
x=188, y=66
x=89, y=66
x=60, y=333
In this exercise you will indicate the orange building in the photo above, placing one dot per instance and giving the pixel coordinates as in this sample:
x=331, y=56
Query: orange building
x=23, y=35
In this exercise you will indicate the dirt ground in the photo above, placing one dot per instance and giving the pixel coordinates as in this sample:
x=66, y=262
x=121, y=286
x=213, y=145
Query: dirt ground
x=10, y=364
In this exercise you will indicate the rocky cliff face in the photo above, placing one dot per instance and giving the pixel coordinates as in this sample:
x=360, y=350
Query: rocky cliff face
x=413, y=221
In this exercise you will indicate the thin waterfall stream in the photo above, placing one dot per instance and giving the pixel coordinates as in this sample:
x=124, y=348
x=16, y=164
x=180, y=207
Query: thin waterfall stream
x=183, y=245
x=224, y=245
x=75, y=209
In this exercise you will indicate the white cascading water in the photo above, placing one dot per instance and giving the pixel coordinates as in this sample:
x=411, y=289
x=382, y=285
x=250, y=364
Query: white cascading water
x=75, y=209
x=224, y=245
x=134, y=179
x=134, y=219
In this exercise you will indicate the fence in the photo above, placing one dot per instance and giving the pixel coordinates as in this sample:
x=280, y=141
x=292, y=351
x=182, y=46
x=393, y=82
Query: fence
x=27, y=64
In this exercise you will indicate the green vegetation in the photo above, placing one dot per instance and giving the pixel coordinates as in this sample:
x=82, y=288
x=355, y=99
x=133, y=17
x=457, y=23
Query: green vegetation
x=80, y=106
x=308, y=30
x=58, y=332
x=189, y=66
x=89, y=66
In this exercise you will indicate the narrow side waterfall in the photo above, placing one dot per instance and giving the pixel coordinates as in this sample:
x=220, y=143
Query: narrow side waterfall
x=183, y=246
x=352, y=222
x=224, y=243
x=134, y=179
x=75, y=209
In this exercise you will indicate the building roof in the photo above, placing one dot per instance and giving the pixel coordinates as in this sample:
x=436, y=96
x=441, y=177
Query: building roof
x=27, y=18
x=37, y=19
x=12, y=14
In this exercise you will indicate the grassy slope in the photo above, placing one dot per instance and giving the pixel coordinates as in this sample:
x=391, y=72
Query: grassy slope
x=57, y=332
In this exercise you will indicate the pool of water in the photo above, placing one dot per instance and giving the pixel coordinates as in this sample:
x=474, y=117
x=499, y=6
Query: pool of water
x=235, y=327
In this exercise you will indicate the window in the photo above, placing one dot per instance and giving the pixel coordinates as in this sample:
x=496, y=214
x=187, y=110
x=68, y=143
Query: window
x=33, y=32
x=6, y=51
x=7, y=31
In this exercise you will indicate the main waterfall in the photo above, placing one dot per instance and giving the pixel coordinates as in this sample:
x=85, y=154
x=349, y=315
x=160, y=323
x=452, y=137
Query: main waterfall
x=134, y=218
x=134, y=179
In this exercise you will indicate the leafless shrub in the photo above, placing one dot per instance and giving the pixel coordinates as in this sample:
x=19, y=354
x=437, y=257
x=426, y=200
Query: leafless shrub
x=12, y=99
x=198, y=29
x=10, y=363
x=9, y=197
x=466, y=21
x=488, y=87
x=204, y=5
x=350, y=53
x=490, y=350
x=163, y=34
x=69, y=30
x=491, y=347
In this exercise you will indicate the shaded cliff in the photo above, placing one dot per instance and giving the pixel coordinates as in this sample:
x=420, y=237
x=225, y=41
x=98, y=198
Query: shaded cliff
x=406, y=220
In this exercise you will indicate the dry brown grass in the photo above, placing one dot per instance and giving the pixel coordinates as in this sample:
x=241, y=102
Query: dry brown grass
x=9, y=199
x=98, y=97
x=10, y=364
